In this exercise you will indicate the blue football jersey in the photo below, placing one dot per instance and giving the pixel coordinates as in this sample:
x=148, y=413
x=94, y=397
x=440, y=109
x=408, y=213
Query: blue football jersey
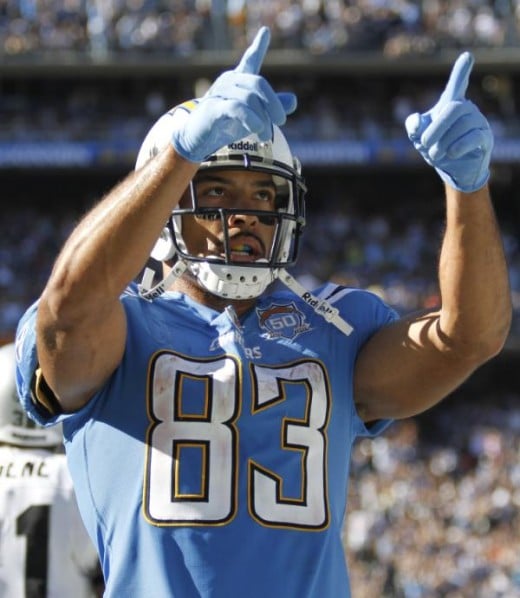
x=215, y=460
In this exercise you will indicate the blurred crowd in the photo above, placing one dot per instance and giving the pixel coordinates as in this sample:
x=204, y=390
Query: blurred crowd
x=372, y=112
x=434, y=504
x=394, y=27
x=29, y=243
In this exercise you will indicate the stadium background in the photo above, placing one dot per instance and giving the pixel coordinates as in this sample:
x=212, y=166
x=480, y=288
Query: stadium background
x=434, y=503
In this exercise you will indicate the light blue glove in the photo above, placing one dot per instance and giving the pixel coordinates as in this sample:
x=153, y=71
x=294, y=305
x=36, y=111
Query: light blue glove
x=240, y=102
x=453, y=136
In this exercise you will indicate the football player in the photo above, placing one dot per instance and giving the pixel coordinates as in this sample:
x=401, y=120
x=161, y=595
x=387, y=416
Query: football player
x=209, y=418
x=44, y=548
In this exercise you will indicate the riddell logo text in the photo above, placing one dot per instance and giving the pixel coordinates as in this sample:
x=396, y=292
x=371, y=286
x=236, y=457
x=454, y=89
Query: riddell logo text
x=244, y=146
x=321, y=306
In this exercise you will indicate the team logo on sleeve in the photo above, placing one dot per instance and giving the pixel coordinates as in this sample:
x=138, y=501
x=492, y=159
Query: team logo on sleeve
x=282, y=321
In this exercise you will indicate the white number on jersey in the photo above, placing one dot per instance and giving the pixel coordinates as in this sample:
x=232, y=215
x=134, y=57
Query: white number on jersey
x=207, y=431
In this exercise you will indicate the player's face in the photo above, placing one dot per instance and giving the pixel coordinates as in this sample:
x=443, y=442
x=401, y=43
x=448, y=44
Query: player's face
x=250, y=236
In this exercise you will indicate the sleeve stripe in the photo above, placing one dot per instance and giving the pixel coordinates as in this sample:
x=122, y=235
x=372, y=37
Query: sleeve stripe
x=333, y=292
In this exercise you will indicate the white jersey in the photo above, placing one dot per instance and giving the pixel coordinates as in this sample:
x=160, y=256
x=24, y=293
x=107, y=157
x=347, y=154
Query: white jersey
x=45, y=551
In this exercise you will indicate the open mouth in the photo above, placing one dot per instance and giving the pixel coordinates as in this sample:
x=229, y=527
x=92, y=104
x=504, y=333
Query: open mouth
x=247, y=249
x=244, y=251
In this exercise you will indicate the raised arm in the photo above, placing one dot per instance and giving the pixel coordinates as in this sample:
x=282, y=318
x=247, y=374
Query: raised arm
x=81, y=326
x=412, y=364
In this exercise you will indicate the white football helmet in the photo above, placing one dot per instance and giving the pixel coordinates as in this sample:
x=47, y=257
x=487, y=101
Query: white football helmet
x=221, y=275
x=15, y=427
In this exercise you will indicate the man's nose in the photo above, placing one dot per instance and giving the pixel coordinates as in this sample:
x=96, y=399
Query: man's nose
x=239, y=219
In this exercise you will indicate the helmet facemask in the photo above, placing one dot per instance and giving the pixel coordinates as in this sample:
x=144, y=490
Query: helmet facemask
x=224, y=275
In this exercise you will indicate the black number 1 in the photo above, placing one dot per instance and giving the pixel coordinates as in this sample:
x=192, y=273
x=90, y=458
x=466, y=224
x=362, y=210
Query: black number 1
x=33, y=523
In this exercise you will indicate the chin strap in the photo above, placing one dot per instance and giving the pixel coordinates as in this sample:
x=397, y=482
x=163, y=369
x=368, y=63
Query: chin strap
x=149, y=292
x=321, y=306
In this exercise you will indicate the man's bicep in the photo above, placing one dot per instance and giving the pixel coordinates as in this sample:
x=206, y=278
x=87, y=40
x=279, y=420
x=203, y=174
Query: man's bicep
x=405, y=368
x=76, y=360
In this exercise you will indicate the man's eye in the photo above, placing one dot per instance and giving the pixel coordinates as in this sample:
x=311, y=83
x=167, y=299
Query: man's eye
x=265, y=195
x=213, y=192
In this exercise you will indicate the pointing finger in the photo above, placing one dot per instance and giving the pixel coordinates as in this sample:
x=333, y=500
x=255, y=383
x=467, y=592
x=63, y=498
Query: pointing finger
x=253, y=57
x=459, y=78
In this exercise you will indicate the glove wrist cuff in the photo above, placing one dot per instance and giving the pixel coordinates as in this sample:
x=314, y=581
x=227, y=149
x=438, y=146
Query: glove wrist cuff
x=189, y=156
x=467, y=187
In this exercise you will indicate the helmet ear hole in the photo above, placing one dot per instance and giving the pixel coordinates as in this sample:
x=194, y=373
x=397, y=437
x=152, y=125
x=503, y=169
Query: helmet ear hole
x=164, y=248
